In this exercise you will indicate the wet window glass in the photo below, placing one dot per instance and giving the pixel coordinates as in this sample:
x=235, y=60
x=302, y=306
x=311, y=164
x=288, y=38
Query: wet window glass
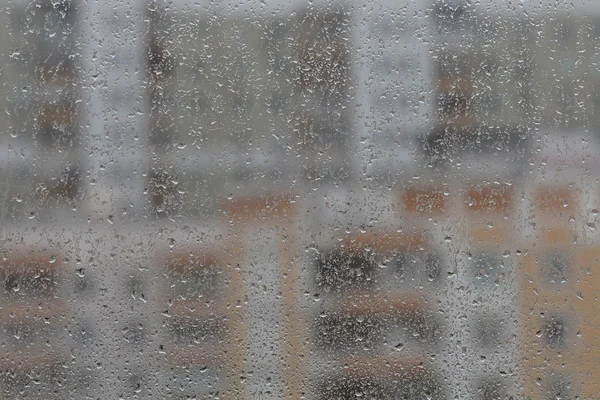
x=303, y=199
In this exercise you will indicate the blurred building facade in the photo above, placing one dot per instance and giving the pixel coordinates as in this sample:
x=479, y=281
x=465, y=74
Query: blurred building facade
x=300, y=200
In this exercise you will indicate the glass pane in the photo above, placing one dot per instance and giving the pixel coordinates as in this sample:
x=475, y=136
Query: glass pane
x=299, y=199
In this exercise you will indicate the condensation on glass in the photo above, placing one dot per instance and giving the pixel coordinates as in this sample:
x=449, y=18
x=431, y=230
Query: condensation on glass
x=301, y=200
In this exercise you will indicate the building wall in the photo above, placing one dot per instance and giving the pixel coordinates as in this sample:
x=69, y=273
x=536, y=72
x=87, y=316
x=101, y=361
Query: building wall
x=406, y=143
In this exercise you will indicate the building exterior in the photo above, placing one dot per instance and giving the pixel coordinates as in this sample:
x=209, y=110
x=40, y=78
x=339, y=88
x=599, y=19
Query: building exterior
x=374, y=332
x=393, y=88
x=233, y=107
x=299, y=200
x=43, y=113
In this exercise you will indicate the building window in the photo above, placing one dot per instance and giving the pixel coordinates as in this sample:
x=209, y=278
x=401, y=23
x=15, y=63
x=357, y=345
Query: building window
x=556, y=267
x=558, y=387
x=565, y=99
x=451, y=13
x=338, y=270
x=83, y=284
x=555, y=331
x=134, y=333
x=195, y=282
x=83, y=332
x=341, y=331
x=135, y=287
x=564, y=31
x=433, y=266
x=453, y=105
x=57, y=125
x=345, y=388
x=36, y=283
x=415, y=268
x=490, y=103
x=137, y=384
x=452, y=66
x=492, y=389
x=488, y=268
x=186, y=329
x=166, y=193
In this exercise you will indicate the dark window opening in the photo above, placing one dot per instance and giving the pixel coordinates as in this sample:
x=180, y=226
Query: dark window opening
x=37, y=282
x=555, y=332
x=451, y=13
x=347, y=332
x=196, y=282
x=558, y=388
x=452, y=106
x=165, y=193
x=338, y=270
x=381, y=387
x=555, y=268
x=488, y=268
x=57, y=125
x=193, y=330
